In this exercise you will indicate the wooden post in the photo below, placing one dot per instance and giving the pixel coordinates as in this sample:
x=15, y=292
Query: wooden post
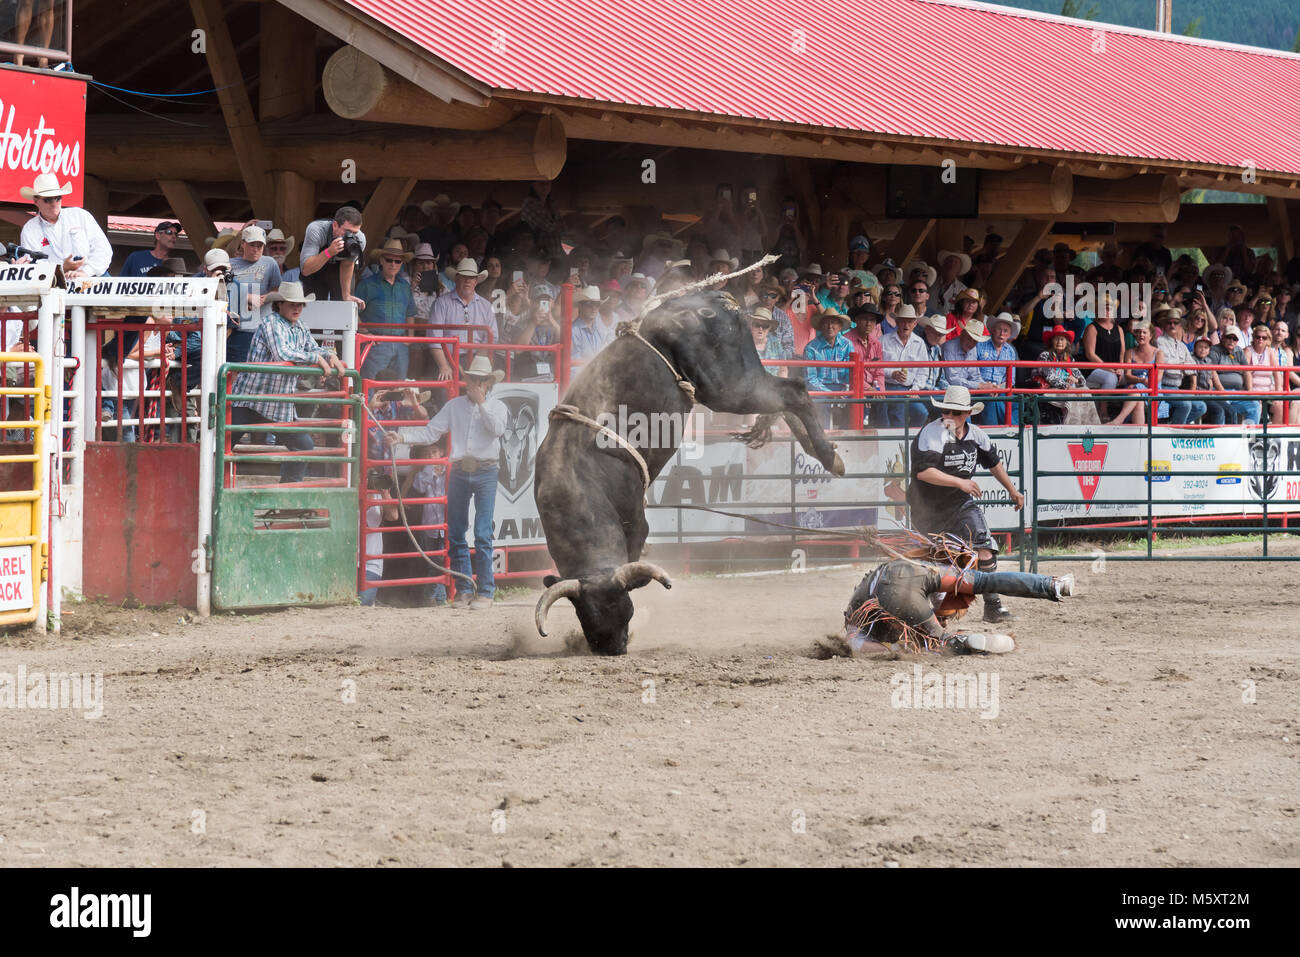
x=1037, y=190
x=241, y=124
x=905, y=244
x=95, y=199
x=1280, y=216
x=286, y=85
x=385, y=203
x=188, y=207
x=295, y=207
x=1019, y=253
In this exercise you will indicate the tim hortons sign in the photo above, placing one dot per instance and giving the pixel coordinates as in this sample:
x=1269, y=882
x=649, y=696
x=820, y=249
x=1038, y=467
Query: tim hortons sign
x=42, y=130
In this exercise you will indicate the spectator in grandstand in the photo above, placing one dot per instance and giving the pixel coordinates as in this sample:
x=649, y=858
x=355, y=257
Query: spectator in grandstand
x=865, y=339
x=953, y=265
x=1264, y=307
x=859, y=250
x=332, y=250
x=1056, y=372
x=964, y=348
x=462, y=307
x=589, y=334
x=165, y=236
x=424, y=282
x=636, y=290
x=918, y=290
x=281, y=340
x=761, y=325
x=998, y=349
x=1033, y=312
x=830, y=345
x=540, y=326
x=278, y=248
x=891, y=297
x=1220, y=410
x=1154, y=251
x=70, y=237
x=1102, y=341
x=253, y=276
x=1215, y=280
x=772, y=296
x=902, y=346
x=657, y=250
x=388, y=404
x=389, y=302
x=790, y=241
x=1173, y=352
x=1237, y=255
x=721, y=262
x=1108, y=270
x=933, y=329
x=1259, y=354
x=1284, y=304
x=967, y=305
x=475, y=422
x=1199, y=321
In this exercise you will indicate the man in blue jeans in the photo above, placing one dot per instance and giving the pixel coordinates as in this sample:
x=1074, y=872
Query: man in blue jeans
x=475, y=422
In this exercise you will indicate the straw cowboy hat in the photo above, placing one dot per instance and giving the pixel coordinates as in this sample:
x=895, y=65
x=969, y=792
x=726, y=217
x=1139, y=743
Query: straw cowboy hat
x=968, y=293
x=45, y=185
x=654, y=239
x=762, y=315
x=819, y=319
x=975, y=329
x=964, y=259
x=466, y=267
x=290, y=292
x=481, y=368
x=223, y=240
x=931, y=274
x=957, y=399
x=276, y=235
x=586, y=294
x=905, y=311
x=1052, y=333
x=392, y=247
x=1013, y=321
x=812, y=269
x=1167, y=311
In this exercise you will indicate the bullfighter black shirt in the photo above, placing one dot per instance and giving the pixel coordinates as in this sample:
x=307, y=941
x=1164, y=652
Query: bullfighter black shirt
x=934, y=448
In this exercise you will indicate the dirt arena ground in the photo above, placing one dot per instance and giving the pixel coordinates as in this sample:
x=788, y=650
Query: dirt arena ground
x=1121, y=735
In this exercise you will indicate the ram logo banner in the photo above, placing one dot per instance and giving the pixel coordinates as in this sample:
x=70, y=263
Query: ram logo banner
x=1264, y=455
x=519, y=443
x=1089, y=458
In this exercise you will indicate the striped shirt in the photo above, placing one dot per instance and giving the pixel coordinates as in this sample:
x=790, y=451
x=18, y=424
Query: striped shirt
x=280, y=341
x=451, y=310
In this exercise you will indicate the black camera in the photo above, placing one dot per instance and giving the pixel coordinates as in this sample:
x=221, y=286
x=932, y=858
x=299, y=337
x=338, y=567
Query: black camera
x=352, y=248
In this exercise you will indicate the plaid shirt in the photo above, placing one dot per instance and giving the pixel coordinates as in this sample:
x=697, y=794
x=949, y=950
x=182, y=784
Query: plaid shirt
x=279, y=341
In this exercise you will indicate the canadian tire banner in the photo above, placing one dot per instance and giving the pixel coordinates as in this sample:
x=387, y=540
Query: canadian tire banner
x=42, y=130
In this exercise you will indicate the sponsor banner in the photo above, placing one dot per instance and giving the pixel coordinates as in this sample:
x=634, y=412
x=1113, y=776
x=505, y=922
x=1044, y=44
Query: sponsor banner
x=42, y=130
x=528, y=406
x=16, y=577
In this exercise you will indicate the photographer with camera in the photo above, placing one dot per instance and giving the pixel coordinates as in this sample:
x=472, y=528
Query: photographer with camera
x=331, y=251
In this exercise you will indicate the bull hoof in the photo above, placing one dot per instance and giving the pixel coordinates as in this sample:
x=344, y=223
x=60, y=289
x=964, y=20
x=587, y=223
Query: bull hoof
x=837, y=467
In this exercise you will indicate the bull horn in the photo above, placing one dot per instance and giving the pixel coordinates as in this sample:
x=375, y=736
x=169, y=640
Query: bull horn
x=624, y=573
x=570, y=588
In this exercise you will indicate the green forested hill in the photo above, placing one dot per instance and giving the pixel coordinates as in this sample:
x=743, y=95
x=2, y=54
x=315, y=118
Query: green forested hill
x=1260, y=23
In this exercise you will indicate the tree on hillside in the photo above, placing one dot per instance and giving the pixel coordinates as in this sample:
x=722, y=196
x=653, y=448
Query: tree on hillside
x=1073, y=8
x=1295, y=47
x=1193, y=29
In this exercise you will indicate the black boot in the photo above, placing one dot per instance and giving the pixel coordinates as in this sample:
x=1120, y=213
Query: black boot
x=995, y=611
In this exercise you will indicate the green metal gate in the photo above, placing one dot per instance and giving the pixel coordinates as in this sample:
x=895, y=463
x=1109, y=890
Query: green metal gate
x=291, y=545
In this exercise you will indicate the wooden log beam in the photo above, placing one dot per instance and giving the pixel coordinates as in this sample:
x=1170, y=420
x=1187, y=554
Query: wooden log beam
x=384, y=205
x=95, y=199
x=1152, y=198
x=188, y=207
x=1280, y=217
x=295, y=207
x=1203, y=224
x=1009, y=268
x=286, y=71
x=358, y=87
x=530, y=147
x=1036, y=190
x=908, y=240
x=241, y=124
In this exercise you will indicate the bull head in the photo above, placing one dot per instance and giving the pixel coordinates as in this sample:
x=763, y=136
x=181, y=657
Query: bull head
x=603, y=605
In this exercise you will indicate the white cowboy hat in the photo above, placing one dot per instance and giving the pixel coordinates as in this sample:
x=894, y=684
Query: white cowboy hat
x=957, y=399
x=1008, y=318
x=937, y=322
x=1213, y=268
x=905, y=311
x=45, y=185
x=975, y=329
x=423, y=252
x=931, y=274
x=276, y=235
x=290, y=292
x=587, y=294
x=812, y=269
x=965, y=260
x=722, y=256
x=481, y=368
x=467, y=267
x=676, y=245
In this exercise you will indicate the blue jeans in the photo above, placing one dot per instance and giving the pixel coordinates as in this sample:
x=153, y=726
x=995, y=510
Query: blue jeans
x=368, y=596
x=386, y=355
x=995, y=413
x=482, y=487
x=1219, y=411
x=1182, y=411
x=293, y=441
x=896, y=414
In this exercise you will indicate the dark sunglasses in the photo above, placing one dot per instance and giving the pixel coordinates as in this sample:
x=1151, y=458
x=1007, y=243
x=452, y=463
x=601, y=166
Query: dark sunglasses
x=892, y=292
x=921, y=289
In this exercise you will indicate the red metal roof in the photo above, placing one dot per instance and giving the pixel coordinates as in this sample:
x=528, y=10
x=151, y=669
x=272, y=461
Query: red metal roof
x=938, y=70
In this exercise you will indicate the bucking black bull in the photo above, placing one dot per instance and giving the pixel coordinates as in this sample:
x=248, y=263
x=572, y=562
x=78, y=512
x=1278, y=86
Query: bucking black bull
x=591, y=494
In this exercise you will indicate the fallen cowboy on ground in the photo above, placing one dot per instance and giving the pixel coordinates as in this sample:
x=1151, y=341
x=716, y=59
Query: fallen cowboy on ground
x=906, y=603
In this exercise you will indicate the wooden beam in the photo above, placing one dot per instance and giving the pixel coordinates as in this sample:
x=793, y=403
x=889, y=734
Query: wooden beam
x=1009, y=268
x=358, y=87
x=295, y=207
x=241, y=124
x=286, y=71
x=188, y=207
x=799, y=172
x=1037, y=190
x=1280, y=217
x=1203, y=224
x=95, y=199
x=385, y=203
x=530, y=147
x=908, y=240
x=1141, y=199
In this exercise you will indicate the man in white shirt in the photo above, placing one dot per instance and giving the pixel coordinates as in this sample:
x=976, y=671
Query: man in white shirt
x=70, y=236
x=902, y=346
x=475, y=422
